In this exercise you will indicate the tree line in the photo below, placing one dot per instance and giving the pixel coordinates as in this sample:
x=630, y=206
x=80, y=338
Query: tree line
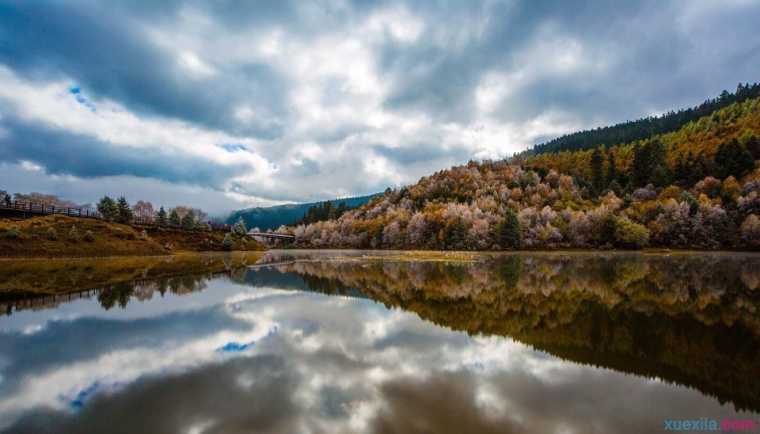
x=646, y=127
x=120, y=211
x=322, y=211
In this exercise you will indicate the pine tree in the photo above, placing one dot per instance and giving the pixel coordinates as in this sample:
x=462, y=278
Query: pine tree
x=649, y=165
x=751, y=143
x=680, y=173
x=188, y=221
x=457, y=235
x=123, y=211
x=509, y=233
x=640, y=168
x=597, y=176
x=732, y=159
x=612, y=175
x=161, y=217
x=227, y=242
x=174, y=219
x=107, y=208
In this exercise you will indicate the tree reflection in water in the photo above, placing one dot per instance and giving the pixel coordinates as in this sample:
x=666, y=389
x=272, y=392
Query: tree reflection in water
x=688, y=319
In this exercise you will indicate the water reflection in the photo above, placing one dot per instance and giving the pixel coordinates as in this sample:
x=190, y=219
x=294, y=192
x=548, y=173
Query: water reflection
x=304, y=346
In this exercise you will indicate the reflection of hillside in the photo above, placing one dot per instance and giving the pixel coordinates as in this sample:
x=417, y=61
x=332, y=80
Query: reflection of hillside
x=47, y=284
x=690, y=320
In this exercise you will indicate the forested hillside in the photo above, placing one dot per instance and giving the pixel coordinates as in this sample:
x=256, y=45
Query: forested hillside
x=693, y=188
x=646, y=127
x=273, y=217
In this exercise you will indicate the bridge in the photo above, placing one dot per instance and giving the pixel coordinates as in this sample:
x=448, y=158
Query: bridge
x=272, y=236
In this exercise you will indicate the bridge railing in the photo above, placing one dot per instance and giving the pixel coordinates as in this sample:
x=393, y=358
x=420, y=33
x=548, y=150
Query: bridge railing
x=272, y=235
x=42, y=208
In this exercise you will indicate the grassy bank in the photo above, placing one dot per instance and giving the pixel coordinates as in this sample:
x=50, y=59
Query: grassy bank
x=61, y=236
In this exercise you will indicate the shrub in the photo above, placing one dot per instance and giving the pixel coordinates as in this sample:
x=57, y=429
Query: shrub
x=74, y=234
x=13, y=233
x=750, y=231
x=227, y=242
x=52, y=234
x=630, y=235
x=89, y=236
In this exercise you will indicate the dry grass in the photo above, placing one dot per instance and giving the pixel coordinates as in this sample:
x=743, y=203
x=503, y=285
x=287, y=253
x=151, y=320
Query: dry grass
x=32, y=238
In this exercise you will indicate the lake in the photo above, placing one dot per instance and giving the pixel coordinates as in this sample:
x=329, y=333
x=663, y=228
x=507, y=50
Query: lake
x=382, y=342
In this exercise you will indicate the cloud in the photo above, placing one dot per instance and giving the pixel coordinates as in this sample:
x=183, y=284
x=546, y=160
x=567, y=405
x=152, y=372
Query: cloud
x=342, y=97
x=390, y=371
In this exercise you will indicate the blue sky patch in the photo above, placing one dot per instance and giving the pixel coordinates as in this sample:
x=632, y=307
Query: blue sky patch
x=234, y=347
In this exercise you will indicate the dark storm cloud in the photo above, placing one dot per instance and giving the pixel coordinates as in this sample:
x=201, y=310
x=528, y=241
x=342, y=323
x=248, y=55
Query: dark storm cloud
x=64, y=153
x=110, y=54
x=654, y=60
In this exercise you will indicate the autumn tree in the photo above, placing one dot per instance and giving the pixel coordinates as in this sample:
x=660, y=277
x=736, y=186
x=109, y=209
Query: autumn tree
x=144, y=210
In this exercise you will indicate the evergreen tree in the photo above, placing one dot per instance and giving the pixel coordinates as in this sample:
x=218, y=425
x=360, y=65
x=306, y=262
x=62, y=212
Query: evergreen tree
x=509, y=234
x=752, y=144
x=612, y=174
x=457, y=235
x=680, y=173
x=329, y=211
x=161, y=218
x=239, y=228
x=188, y=221
x=597, y=176
x=342, y=208
x=640, y=169
x=107, y=208
x=649, y=165
x=174, y=219
x=732, y=159
x=123, y=211
x=227, y=243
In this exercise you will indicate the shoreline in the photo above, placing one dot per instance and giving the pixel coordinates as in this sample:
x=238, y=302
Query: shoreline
x=382, y=253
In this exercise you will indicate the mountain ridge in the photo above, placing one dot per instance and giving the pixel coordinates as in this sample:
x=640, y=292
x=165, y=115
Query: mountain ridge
x=272, y=217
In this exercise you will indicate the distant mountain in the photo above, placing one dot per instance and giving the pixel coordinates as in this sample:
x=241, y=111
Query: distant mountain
x=275, y=216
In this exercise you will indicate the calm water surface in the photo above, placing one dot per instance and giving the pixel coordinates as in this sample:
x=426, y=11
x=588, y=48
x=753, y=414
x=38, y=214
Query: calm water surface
x=312, y=343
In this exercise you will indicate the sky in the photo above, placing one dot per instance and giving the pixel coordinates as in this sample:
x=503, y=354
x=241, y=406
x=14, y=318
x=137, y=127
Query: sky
x=225, y=105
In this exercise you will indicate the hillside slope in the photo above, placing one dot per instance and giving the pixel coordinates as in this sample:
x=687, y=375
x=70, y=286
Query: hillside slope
x=273, y=217
x=62, y=236
x=645, y=195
